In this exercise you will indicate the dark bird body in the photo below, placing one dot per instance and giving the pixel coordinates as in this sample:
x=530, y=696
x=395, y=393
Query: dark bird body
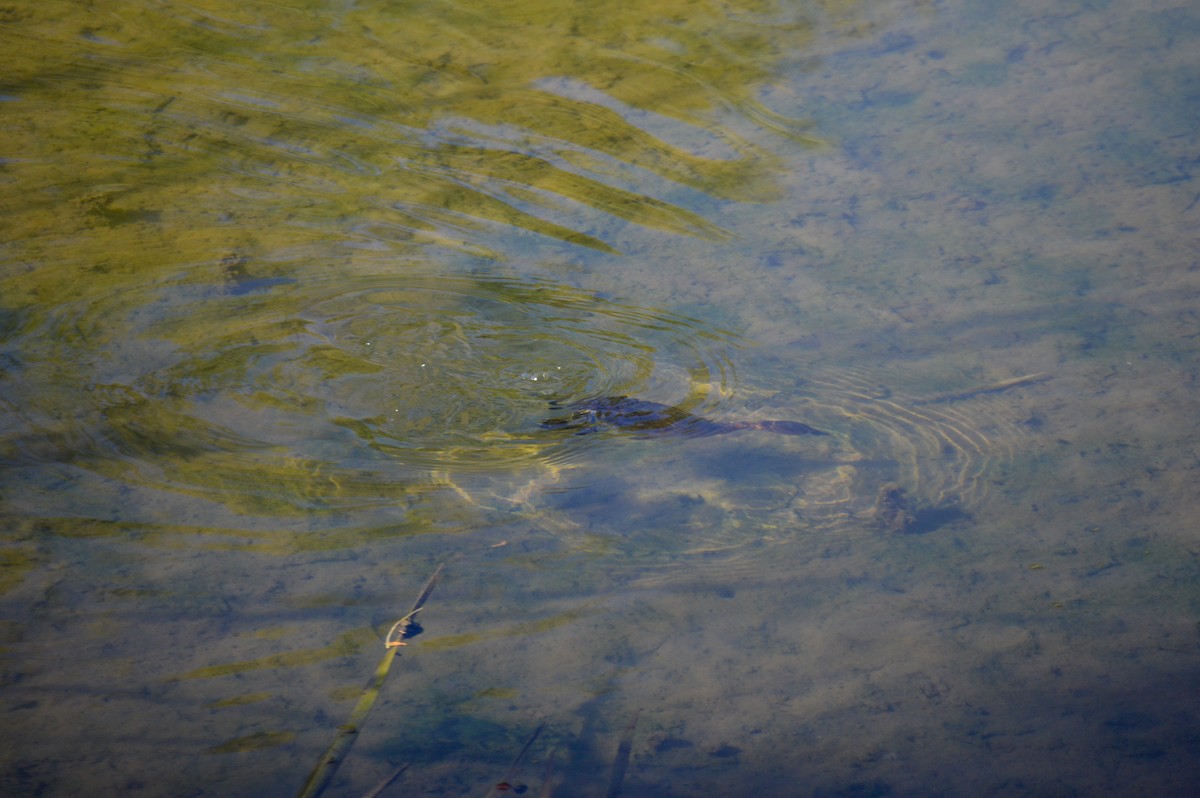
x=651, y=419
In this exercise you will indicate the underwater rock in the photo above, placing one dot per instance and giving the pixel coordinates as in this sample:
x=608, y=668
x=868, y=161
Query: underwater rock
x=893, y=510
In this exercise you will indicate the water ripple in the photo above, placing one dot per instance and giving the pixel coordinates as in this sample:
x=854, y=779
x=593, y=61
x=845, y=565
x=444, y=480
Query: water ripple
x=345, y=390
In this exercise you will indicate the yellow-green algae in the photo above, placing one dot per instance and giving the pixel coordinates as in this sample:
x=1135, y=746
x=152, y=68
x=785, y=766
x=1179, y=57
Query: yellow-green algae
x=413, y=120
x=240, y=700
x=517, y=630
x=281, y=542
x=161, y=157
x=16, y=562
x=345, y=645
x=253, y=742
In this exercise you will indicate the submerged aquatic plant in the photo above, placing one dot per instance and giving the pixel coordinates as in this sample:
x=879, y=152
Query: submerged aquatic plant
x=347, y=733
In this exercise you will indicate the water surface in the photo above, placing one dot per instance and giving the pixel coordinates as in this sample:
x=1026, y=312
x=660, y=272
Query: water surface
x=287, y=290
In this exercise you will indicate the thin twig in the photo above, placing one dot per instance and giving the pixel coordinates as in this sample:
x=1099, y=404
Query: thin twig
x=506, y=784
x=375, y=792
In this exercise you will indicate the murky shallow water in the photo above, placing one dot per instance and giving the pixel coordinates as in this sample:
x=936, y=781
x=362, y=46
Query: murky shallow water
x=287, y=290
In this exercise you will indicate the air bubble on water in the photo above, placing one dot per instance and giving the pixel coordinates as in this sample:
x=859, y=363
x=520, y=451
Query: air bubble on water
x=541, y=375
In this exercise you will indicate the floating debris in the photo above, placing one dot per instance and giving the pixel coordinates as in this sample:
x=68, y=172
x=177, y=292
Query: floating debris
x=395, y=636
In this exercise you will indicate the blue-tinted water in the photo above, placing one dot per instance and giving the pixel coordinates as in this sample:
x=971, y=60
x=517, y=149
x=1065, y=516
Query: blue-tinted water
x=288, y=291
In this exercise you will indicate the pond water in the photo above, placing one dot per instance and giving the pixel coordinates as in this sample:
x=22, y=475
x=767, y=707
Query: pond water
x=288, y=292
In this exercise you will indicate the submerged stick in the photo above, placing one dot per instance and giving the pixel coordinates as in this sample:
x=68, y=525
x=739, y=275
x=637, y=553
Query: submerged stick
x=332, y=759
x=507, y=784
x=384, y=785
x=995, y=387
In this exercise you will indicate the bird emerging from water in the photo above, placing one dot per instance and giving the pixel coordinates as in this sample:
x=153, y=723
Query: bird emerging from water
x=652, y=419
